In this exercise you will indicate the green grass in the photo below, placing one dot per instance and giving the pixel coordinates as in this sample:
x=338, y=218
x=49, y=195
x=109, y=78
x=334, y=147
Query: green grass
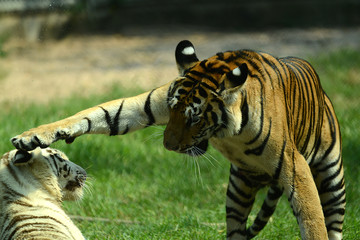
x=149, y=193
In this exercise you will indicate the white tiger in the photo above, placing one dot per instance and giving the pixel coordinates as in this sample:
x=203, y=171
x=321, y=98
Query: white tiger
x=32, y=187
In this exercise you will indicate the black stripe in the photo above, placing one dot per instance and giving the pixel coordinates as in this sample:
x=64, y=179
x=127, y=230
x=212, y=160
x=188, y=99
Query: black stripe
x=11, y=192
x=279, y=166
x=224, y=117
x=21, y=203
x=113, y=124
x=267, y=210
x=332, y=164
x=316, y=150
x=107, y=117
x=220, y=56
x=293, y=180
x=262, y=111
x=335, y=199
x=258, y=150
x=238, y=190
x=39, y=143
x=259, y=224
x=56, y=166
x=237, y=218
x=333, y=229
x=235, y=199
x=202, y=92
x=235, y=173
x=126, y=130
x=327, y=181
x=115, y=128
x=147, y=109
x=330, y=228
x=203, y=75
x=274, y=193
x=230, y=210
x=238, y=231
x=329, y=212
x=89, y=124
x=244, y=115
x=18, y=218
x=13, y=173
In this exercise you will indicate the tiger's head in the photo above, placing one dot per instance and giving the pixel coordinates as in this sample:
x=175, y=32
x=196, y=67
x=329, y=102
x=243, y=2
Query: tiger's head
x=201, y=99
x=62, y=178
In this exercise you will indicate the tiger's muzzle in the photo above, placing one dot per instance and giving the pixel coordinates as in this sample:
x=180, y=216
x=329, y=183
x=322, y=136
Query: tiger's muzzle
x=178, y=137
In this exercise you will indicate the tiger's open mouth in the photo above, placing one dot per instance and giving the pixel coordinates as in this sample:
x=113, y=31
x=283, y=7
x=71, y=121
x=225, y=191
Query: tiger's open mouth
x=198, y=149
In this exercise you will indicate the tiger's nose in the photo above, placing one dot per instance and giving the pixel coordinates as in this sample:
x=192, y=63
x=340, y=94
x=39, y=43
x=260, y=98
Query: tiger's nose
x=81, y=173
x=170, y=145
x=171, y=142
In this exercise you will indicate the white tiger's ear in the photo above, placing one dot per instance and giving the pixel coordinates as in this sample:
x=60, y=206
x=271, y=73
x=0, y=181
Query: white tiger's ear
x=185, y=56
x=22, y=157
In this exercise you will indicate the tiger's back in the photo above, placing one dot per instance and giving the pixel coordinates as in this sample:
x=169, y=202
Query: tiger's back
x=31, y=195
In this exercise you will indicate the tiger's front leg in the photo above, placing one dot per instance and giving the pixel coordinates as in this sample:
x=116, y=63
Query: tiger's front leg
x=240, y=197
x=112, y=118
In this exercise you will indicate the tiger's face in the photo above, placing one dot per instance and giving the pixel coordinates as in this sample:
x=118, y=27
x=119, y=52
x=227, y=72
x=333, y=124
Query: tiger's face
x=71, y=177
x=51, y=167
x=196, y=114
x=198, y=108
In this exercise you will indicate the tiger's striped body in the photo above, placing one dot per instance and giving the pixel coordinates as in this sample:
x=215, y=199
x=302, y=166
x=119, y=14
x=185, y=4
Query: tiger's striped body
x=33, y=184
x=268, y=116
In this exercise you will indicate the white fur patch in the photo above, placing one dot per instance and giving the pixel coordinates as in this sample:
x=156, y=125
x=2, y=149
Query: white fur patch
x=188, y=51
x=236, y=71
x=173, y=102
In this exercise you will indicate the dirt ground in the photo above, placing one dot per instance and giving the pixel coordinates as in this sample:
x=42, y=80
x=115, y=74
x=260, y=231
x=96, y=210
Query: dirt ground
x=83, y=65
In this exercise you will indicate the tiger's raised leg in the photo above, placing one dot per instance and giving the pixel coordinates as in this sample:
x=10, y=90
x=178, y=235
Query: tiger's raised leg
x=240, y=197
x=113, y=118
x=266, y=211
x=300, y=188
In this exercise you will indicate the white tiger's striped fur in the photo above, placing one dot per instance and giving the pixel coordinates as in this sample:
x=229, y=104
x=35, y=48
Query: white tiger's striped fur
x=32, y=186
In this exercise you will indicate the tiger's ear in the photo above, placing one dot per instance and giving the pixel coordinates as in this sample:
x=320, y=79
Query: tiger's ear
x=236, y=77
x=232, y=82
x=22, y=157
x=185, y=56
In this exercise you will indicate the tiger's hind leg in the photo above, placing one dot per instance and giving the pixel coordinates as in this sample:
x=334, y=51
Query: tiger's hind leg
x=240, y=197
x=267, y=209
x=331, y=187
x=328, y=172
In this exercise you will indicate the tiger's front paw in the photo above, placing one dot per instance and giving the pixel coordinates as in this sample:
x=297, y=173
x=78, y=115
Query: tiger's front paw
x=29, y=141
x=40, y=137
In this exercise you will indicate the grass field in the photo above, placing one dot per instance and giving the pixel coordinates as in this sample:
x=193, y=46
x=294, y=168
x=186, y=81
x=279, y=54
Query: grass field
x=138, y=190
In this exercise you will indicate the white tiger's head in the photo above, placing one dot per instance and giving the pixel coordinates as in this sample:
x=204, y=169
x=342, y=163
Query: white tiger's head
x=62, y=178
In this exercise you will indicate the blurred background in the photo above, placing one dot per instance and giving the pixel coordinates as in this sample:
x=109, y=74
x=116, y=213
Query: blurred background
x=83, y=46
x=60, y=57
